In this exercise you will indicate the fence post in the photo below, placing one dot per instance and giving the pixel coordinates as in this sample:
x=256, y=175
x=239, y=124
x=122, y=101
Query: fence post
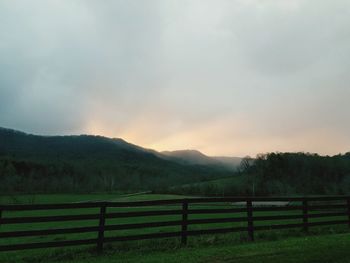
x=184, y=222
x=101, y=228
x=0, y=217
x=305, y=215
x=348, y=203
x=250, y=219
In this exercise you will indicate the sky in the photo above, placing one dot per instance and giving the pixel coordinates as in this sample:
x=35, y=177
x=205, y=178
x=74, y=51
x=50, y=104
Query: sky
x=226, y=77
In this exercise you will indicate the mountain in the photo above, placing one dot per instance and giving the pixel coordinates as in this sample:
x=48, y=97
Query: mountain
x=21, y=144
x=89, y=163
x=198, y=158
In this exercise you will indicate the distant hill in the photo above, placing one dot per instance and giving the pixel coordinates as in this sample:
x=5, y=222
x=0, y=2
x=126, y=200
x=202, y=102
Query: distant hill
x=196, y=157
x=85, y=162
x=20, y=144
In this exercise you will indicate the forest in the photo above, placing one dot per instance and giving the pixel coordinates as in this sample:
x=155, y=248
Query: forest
x=298, y=173
x=280, y=174
x=85, y=163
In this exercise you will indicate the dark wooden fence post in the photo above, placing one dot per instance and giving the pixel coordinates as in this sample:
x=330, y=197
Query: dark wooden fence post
x=184, y=222
x=305, y=215
x=0, y=217
x=250, y=219
x=101, y=229
x=348, y=203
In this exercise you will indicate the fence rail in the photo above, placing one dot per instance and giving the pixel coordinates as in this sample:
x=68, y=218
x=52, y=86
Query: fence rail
x=326, y=207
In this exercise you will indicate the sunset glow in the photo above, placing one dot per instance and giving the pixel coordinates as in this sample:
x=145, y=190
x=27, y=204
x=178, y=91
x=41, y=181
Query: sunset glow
x=223, y=77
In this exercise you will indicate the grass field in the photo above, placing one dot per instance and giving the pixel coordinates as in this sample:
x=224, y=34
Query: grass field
x=328, y=248
x=311, y=249
x=132, y=249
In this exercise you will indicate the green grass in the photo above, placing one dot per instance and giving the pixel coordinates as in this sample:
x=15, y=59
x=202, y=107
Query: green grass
x=55, y=198
x=146, y=197
x=132, y=249
x=332, y=248
x=309, y=249
x=70, y=198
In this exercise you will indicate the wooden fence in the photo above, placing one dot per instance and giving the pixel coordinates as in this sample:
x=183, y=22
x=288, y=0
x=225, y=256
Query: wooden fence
x=309, y=207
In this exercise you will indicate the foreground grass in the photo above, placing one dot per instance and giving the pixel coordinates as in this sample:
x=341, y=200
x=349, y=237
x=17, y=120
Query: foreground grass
x=327, y=248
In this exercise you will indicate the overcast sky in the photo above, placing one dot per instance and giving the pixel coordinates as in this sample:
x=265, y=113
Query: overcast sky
x=233, y=77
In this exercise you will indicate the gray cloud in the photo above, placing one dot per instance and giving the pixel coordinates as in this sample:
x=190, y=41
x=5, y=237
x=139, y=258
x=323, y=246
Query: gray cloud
x=226, y=77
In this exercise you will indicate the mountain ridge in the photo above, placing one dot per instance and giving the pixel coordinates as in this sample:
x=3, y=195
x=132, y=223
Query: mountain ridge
x=189, y=156
x=90, y=162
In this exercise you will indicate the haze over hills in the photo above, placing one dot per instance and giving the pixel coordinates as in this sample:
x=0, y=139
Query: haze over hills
x=91, y=162
x=196, y=157
x=232, y=162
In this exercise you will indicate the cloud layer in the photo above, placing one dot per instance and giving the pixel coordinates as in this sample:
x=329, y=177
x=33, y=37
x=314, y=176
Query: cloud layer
x=228, y=77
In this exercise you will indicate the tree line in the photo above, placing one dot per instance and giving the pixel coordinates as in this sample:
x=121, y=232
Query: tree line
x=91, y=175
x=280, y=174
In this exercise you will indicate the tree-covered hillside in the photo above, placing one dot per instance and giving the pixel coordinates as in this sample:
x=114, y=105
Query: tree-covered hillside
x=88, y=163
x=280, y=174
x=299, y=173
